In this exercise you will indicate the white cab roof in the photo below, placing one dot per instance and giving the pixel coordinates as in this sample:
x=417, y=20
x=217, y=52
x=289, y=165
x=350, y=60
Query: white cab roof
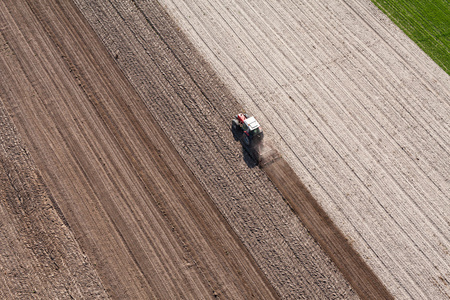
x=251, y=123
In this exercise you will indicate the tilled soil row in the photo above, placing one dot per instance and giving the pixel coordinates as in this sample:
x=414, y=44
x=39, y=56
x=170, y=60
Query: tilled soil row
x=325, y=232
x=39, y=256
x=194, y=109
x=135, y=208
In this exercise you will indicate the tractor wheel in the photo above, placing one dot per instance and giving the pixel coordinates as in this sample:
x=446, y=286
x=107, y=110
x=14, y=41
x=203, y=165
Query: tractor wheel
x=234, y=125
x=246, y=139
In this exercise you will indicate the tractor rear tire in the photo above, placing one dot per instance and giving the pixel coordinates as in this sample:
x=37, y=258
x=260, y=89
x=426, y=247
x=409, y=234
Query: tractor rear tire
x=246, y=139
x=234, y=125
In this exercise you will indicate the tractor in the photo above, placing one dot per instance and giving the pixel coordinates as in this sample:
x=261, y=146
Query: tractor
x=262, y=151
x=252, y=132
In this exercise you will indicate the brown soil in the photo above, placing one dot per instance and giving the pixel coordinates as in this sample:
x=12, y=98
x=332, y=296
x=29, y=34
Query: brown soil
x=133, y=151
x=359, y=112
x=325, y=232
x=39, y=256
x=144, y=221
x=142, y=38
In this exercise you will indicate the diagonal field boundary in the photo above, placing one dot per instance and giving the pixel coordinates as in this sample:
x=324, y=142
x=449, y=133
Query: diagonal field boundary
x=325, y=232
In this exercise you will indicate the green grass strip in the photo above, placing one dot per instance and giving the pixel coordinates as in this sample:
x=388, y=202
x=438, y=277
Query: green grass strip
x=426, y=22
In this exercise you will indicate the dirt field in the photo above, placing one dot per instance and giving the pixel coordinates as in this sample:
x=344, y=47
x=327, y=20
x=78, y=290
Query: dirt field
x=244, y=196
x=120, y=176
x=39, y=256
x=155, y=189
x=148, y=227
x=325, y=232
x=358, y=111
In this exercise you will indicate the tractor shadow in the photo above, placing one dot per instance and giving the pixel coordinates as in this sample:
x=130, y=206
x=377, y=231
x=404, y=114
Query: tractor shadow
x=248, y=159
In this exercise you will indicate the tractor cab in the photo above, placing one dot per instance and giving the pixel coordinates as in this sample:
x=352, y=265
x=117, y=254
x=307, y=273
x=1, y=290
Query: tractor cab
x=251, y=126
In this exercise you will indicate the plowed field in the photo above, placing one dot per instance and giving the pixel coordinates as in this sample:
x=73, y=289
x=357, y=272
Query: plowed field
x=358, y=111
x=120, y=176
x=39, y=255
x=148, y=227
x=152, y=223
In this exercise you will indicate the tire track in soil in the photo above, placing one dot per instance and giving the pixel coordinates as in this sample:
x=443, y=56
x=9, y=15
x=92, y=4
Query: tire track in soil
x=133, y=205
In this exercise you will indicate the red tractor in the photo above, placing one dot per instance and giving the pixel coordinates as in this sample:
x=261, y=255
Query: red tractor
x=252, y=132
